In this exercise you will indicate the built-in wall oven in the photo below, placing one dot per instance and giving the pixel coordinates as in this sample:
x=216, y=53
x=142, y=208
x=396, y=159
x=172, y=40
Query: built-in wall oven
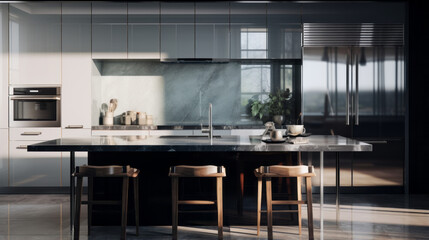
x=34, y=106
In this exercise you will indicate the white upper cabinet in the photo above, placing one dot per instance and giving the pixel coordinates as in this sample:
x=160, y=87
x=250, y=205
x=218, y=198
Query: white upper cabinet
x=3, y=66
x=284, y=30
x=177, y=30
x=76, y=65
x=109, y=30
x=354, y=12
x=248, y=30
x=35, y=43
x=212, y=30
x=143, y=30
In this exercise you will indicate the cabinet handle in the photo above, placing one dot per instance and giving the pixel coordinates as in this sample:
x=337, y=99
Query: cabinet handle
x=357, y=91
x=22, y=147
x=31, y=133
x=36, y=98
x=74, y=126
x=375, y=142
x=347, y=91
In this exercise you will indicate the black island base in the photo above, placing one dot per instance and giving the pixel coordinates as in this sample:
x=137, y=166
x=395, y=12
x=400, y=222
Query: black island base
x=239, y=187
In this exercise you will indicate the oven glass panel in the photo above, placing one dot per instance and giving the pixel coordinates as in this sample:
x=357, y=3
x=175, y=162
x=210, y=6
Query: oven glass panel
x=35, y=110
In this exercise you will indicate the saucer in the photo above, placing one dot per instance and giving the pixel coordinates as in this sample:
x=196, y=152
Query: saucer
x=274, y=141
x=299, y=135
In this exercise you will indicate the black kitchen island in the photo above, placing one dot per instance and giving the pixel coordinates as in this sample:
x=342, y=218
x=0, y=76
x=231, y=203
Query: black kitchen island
x=153, y=156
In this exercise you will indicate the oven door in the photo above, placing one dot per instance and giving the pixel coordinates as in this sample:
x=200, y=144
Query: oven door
x=34, y=111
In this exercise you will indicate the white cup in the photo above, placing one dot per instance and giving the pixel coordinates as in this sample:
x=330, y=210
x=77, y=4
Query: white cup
x=295, y=130
x=276, y=135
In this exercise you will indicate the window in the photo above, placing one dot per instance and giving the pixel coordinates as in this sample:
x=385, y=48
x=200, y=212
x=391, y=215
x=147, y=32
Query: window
x=254, y=43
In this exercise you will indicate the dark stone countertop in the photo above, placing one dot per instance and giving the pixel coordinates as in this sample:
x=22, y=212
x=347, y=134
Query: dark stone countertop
x=316, y=143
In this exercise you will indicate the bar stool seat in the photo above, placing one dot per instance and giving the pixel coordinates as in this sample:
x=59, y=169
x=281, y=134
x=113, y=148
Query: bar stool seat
x=268, y=172
x=177, y=172
x=124, y=172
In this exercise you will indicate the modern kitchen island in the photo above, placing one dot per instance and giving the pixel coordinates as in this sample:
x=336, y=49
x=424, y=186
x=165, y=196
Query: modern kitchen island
x=153, y=156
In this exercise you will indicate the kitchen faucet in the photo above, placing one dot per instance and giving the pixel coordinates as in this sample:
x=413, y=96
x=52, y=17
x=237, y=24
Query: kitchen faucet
x=210, y=129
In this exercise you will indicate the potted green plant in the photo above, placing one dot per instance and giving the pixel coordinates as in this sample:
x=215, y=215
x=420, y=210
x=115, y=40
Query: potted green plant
x=276, y=107
x=279, y=105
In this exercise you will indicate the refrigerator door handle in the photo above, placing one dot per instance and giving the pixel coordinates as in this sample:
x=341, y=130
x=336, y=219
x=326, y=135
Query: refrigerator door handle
x=347, y=90
x=357, y=91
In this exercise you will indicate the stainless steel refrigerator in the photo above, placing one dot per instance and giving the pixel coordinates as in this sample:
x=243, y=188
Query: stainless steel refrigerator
x=354, y=85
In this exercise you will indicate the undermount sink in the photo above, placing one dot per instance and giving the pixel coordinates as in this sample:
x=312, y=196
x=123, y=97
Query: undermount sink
x=178, y=136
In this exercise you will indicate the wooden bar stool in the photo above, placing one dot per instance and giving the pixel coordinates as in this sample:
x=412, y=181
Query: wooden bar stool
x=125, y=172
x=268, y=172
x=177, y=172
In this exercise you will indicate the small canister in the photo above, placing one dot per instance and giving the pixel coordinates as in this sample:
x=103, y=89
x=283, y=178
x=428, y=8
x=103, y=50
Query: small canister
x=127, y=120
x=133, y=116
x=149, y=120
x=141, y=117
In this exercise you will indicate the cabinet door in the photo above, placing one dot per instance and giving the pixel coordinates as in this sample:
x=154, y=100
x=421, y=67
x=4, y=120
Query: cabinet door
x=143, y=30
x=33, y=169
x=4, y=161
x=109, y=30
x=35, y=43
x=284, y=30
x=76, y=54
x=81, y=158
x=248, y=31
x=212, y=30
x=354, y=12
x=177, y=30
x=4, y=73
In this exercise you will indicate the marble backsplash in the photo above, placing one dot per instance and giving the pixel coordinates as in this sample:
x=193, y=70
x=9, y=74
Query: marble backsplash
x=174, y=93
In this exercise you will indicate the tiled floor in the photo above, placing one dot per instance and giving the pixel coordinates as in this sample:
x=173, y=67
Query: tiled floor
x=361, y=217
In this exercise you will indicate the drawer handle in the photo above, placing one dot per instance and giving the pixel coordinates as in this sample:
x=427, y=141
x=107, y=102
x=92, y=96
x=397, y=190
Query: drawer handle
x=31, y=133
x=74, y=126
x=375, y=141
x=22, y=147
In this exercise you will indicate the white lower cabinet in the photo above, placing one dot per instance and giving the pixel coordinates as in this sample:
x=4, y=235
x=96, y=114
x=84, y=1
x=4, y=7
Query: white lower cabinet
x=4, y=160
x=81, y=158
x=33, y=169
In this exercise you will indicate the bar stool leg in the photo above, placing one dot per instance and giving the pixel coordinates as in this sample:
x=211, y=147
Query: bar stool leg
x=298, y=189
x=125, y=181
x=219, y=202
x=259, y=205
x=269, y=208
x=90, y=198
x=78, y=205
x=136, y=204
x=309, y=208
x=174, y=201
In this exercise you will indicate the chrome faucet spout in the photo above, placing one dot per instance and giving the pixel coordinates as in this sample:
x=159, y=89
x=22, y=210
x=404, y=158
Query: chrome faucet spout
x=210, y=121
x=209, y=130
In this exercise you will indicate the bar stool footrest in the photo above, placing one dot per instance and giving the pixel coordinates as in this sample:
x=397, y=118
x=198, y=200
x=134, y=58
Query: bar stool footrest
x=196, y=202
x=288, y=202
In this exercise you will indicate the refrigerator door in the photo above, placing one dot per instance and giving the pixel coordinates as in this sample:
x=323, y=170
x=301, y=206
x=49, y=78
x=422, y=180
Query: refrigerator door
x=380, y=117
